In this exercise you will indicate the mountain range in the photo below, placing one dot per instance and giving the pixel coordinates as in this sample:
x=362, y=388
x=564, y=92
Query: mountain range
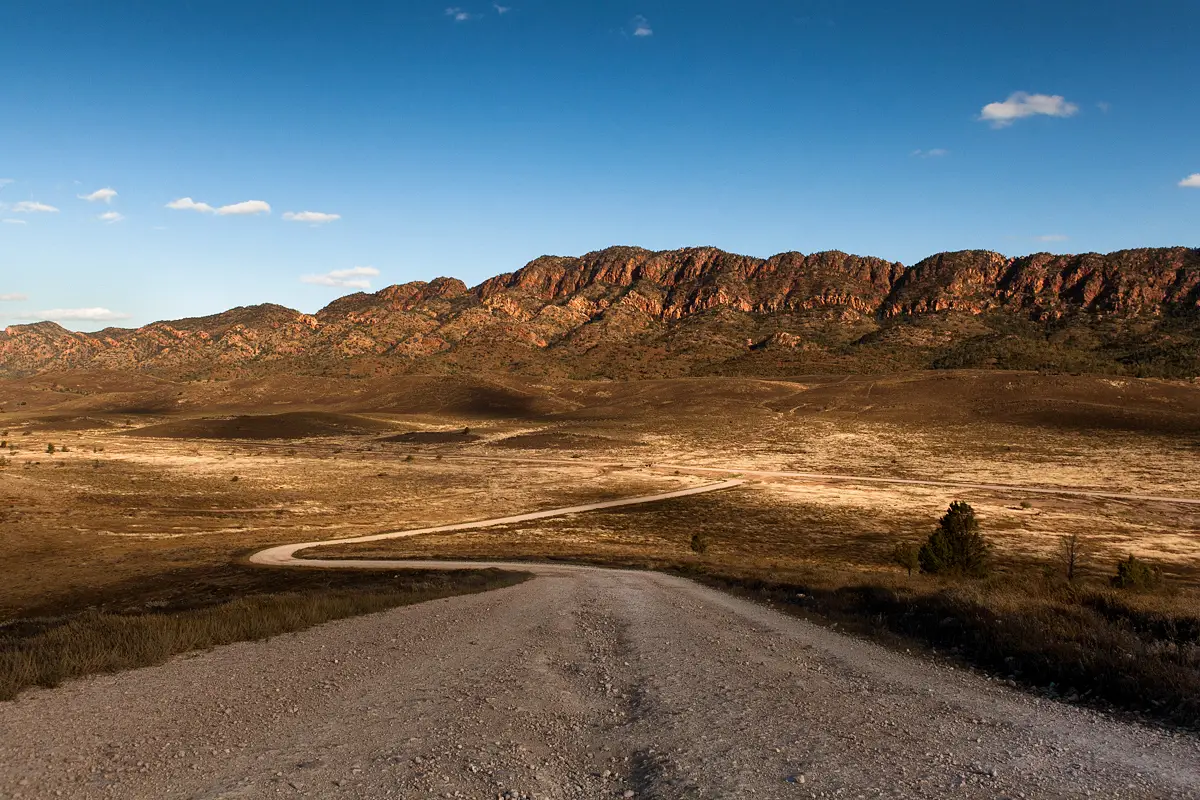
x=626, y=312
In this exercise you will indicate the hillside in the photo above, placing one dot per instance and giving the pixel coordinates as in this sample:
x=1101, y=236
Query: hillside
x=629, y=312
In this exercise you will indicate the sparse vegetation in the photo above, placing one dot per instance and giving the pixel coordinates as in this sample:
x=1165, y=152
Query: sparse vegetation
x=1071, y=552
x=699, y=543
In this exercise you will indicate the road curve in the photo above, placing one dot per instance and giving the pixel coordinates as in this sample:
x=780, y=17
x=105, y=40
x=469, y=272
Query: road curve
x=285, y=555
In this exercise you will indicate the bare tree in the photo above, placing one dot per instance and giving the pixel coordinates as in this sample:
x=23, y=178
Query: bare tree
x=1070, y=553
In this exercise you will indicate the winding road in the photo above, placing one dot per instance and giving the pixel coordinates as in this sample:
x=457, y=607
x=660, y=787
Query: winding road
x=582, y=683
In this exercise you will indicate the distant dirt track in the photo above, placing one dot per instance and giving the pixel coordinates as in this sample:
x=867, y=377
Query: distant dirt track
x=285, y=555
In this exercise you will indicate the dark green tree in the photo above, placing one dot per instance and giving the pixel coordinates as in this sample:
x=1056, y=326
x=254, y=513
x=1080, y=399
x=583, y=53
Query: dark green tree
x=956, y=547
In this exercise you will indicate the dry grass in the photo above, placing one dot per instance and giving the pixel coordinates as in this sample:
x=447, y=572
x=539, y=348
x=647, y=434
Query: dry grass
x=45, y=652
x=122, y=523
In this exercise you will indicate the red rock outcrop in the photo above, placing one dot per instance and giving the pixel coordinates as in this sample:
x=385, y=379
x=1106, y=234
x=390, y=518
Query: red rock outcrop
x=613, y=298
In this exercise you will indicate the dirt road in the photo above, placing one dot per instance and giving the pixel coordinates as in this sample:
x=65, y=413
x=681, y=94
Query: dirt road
x=582, y=683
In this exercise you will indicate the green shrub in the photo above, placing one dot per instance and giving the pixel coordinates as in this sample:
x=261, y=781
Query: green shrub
x=1133, y=573
x=956, y=547
x=699, y=543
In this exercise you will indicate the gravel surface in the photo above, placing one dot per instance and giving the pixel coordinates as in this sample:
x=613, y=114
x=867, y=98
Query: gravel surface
x=582, y=683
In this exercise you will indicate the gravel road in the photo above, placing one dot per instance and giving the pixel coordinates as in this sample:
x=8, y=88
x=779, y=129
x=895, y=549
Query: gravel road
x=582, y=683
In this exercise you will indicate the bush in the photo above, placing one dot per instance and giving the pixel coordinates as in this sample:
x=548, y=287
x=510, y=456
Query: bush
x=50, y=449
x=907, y=555
x=1133, y=573
x=956, y=547
x=699, y=543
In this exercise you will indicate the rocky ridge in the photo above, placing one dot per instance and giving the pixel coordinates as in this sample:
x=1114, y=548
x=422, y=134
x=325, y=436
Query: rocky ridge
x=629, y=311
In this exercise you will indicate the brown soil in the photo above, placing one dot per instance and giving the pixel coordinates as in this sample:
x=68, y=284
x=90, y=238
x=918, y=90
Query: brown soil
x=560, y=440
x=291, y=425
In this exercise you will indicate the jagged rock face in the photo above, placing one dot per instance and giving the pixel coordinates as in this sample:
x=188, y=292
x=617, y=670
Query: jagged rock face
x=702, y=302
x=1129, y=282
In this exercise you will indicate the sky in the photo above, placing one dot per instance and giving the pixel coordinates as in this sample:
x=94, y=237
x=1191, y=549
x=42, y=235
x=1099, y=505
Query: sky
x=180, y=157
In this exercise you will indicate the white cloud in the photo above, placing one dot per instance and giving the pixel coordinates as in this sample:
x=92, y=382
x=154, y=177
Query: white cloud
x=33, y=207
x=1052, y=237
x=78, y=315
x=5, y=182
x=1022, y=104
x=100, y=195
x=315, y=217
x=188, y=204
x=111, y=217
x=1104, y=107
x=1191, y=181
x=459, y=15
x=12, y=298
x=641, y=26
x=501, y=9
x=936, y=152
x=353, y=278
x=245, y=207
x=14, y=221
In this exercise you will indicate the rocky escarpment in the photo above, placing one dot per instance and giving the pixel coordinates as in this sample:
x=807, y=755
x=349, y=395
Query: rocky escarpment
x=626, y=310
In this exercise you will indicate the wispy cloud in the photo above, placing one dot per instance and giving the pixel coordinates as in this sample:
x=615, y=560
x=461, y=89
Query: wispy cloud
x=1052, y=237
x=243, y=208
x=13, y=298
x=315, y=217
x=33, y=207
x=501, y=9
x=1104, y=107
x=104, y=195
x=13, y=222
x=459, y=15
x=936, y=152
x=353, y=278
x=5, y=182
x=111, y=216
x=1191, y=181
x=1022, y=104
x=641, y=26
x=77, y=315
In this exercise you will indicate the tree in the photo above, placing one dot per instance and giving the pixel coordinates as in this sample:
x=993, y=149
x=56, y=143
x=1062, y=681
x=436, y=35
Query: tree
x=1070, y=553
x=699, y=542
x=907, y=555
x=956, y=547
x=50, y=449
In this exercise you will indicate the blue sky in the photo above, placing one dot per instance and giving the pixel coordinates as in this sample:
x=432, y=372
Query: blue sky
x=457, y=138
